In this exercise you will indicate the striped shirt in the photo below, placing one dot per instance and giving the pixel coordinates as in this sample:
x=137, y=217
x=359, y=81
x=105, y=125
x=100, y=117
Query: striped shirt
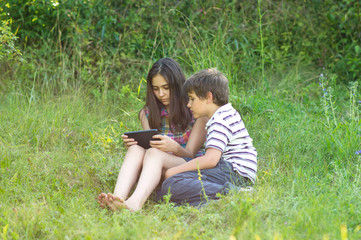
x=227, y=133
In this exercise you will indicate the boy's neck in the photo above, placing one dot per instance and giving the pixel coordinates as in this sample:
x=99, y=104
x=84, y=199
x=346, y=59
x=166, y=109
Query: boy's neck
x=212, y=109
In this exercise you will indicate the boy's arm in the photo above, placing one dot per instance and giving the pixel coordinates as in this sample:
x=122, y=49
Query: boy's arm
x=208, y=160
x=195, y=141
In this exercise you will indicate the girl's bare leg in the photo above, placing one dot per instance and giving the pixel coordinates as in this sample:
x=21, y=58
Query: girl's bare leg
x=129, y=172
x=127, y=177
x=154, y=162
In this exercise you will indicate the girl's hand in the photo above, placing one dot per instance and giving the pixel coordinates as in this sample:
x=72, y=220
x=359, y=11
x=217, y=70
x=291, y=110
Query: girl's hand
x=164, y=143
x=128, y=141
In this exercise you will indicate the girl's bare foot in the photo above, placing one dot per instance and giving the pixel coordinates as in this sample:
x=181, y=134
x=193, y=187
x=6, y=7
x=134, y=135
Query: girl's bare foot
x=114, y=203
x=102, y=200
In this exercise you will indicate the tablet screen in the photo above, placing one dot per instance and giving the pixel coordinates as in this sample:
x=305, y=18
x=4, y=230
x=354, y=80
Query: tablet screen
x=143, y=137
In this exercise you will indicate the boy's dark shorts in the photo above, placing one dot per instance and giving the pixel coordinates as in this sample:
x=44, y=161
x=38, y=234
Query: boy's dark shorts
x=190, y=187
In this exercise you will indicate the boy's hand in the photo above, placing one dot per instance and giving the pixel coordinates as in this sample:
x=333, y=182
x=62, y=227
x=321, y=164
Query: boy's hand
x=164, y=143
x=170, y=172
x=128, y=141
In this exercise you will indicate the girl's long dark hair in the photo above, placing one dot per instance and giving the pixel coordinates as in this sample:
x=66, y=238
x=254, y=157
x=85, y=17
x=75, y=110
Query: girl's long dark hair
x=179, y=115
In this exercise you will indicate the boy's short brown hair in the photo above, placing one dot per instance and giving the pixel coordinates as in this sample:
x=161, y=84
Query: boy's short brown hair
x=209, y=80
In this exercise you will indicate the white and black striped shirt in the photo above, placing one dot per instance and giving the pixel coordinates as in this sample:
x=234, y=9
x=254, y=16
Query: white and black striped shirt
x=227, y=133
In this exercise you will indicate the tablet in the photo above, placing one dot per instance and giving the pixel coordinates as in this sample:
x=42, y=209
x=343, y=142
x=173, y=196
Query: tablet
x=143, y=137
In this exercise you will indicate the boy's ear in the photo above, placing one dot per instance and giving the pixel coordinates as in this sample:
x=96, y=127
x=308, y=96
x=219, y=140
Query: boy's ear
x=209, y=97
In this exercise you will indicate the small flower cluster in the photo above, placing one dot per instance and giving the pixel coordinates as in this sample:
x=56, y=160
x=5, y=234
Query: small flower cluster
x=327, y=102
x=322, y=78
x=358, y=152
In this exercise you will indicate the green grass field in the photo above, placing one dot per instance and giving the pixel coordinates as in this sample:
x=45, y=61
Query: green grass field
x=58, y=153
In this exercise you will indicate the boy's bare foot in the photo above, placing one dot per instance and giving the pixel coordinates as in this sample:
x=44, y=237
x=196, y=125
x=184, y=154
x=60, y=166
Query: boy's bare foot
x=102, y=200
x=114, y=203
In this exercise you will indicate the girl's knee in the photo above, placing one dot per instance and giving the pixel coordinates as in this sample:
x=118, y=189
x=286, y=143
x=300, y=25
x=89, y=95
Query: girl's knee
x=136, y=148
x=152, y=151
x=152, y=154
x=135, y=152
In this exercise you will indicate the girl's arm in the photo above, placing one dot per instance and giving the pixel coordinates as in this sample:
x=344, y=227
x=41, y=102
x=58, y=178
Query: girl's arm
x=144, y=120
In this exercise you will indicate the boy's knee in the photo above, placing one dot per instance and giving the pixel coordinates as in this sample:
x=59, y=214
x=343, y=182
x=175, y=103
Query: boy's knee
x=178, y=183
x=170, y=185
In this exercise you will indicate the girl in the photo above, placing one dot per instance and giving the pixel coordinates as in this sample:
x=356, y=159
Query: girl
x=181, y=138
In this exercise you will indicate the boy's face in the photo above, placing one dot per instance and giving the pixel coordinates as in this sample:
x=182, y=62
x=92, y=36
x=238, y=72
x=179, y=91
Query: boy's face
x=196, y=105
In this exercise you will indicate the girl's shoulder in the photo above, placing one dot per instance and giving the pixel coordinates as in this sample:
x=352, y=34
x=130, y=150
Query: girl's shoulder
x=144, y=111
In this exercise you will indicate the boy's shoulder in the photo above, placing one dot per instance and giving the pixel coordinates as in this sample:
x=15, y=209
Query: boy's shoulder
x=225, y=115
x=226, y=112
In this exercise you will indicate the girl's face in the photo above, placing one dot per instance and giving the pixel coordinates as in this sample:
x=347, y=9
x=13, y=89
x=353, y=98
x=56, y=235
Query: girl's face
x=161, y=89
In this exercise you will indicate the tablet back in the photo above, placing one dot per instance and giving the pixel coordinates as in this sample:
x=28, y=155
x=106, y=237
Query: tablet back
x=143, y=137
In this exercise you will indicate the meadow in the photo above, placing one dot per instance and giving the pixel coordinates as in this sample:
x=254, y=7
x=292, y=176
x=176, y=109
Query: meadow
x=65, y=102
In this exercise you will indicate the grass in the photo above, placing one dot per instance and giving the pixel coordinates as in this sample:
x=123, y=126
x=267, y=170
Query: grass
x=58, y=153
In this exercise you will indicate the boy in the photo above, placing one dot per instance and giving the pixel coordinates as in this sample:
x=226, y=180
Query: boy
x=230, y=157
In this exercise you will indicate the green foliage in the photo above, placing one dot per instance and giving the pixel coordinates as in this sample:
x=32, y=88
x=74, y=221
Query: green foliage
x=343, y=19
x=111, y=36
x=8, y=50
x=342, y=129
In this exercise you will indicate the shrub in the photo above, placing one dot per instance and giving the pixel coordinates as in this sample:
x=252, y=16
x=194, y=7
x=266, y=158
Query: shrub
x=8, y=50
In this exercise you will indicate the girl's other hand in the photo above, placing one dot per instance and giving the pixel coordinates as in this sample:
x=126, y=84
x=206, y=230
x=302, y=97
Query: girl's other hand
x=164, y=143
x=128, y=141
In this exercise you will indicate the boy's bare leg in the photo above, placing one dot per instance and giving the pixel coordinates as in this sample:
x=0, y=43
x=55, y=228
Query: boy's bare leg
x=154, y=162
